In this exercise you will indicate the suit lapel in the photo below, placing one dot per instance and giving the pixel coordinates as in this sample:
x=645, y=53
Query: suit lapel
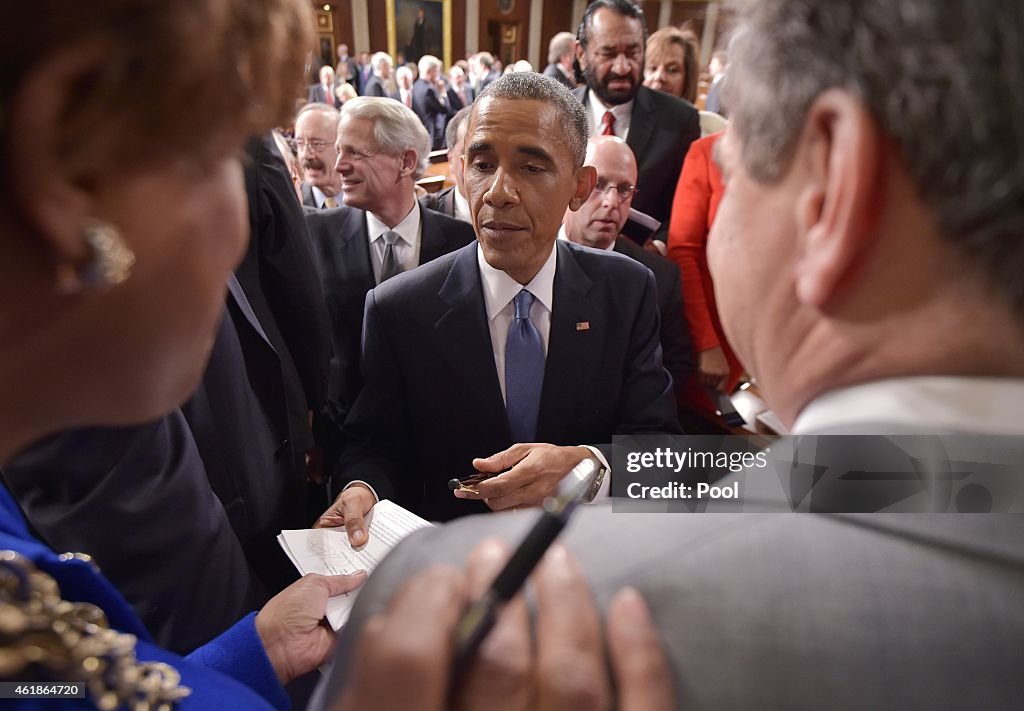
x=641, y=123
x=354, y=251
x=434, y=242
x=242, y=301
x=574, y=343
x=465, y=342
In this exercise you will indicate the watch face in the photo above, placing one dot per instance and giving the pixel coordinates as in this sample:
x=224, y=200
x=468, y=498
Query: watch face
x=506, y=6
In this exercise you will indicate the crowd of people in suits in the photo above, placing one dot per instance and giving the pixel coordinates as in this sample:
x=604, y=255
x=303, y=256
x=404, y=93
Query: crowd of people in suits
x=175, y=396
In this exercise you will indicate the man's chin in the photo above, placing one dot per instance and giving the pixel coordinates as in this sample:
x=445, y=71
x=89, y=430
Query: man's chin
x=617, y=97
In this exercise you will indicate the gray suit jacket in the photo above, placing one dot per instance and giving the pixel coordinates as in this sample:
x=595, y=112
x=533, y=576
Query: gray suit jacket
x=775, y=611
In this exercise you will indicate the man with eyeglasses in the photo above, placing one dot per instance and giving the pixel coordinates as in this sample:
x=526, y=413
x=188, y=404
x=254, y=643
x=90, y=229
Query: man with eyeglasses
x=598, y=224
x=658, y=127
x=315, y=129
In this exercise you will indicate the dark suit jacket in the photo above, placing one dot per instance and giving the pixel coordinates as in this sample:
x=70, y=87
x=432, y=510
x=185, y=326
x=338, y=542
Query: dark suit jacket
x=431, y=400
x=787, y=612
x=308, y=198
x=677, y=350
x=442, y=201
x=223, y=459
x=374, y=87
x=433, y=114
x=279, y=279
x=455, y=103
x=341, y=248
x=555, y=73
x=661, y=130
x=317, y=95
x=138, y=501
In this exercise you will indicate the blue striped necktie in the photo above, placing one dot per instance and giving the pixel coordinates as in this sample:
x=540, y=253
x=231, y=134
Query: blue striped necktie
x=524, y=370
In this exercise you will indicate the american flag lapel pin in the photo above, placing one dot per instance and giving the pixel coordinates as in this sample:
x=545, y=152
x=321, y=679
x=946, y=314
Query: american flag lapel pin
x=583, y=325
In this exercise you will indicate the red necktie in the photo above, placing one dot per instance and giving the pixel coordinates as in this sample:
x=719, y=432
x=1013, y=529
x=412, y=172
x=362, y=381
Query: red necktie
x=408, y=99
x=608, y=124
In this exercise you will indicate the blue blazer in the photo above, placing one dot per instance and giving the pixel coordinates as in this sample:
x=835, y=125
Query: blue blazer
x=431, y=400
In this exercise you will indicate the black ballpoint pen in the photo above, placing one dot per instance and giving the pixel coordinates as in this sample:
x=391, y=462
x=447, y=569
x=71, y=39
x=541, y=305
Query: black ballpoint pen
x=477, y=621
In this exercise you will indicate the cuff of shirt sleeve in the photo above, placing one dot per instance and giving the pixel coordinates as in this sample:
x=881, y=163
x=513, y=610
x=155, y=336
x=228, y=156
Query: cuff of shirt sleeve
x=602, y=493
x=239, y=653
x=376, y=499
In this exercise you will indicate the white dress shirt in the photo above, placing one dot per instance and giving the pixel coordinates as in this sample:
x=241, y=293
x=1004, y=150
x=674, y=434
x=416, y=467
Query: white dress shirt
x=406, y=249
x=461, y=207
x=943, y=404
x=499, y=290
x=318, y=196
x=623, y=114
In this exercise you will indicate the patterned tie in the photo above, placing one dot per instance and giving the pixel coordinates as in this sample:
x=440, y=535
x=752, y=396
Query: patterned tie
x=330, y=202
x=608, y=124
x=524, y=371
x=390, y=266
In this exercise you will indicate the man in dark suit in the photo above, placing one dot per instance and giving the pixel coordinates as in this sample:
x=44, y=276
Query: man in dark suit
x=323, y=92
x=598, y=224
x=381, y=65
x=658, y=127
x=450, y=201
x=844, y=311
x=350, y=242
x=561, y=52
x=351, y=73
x=518, y=339
x=460, y=93
x=316, y=127
x=482, y=66
x=430, y=100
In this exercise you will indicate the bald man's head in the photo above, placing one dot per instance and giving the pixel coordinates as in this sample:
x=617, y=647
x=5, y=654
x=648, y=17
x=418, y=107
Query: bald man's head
x=600, y=219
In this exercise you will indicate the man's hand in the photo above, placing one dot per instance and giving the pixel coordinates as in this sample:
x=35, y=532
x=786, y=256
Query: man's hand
x=564, y=670
x=289, y=624
x=712, y=368
x=349, y=510
x=534, y=471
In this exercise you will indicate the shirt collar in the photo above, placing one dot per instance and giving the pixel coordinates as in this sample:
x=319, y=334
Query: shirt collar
x=318, y=196
x=622, y=112
x=462, y=207
x=500, y=288
x=937, y=403
x=408, y=229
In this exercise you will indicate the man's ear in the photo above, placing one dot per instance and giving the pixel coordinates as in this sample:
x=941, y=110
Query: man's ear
x=47, y=191
x=586, y=178
x=581, y=54
x=409, y=162
x=841, y=152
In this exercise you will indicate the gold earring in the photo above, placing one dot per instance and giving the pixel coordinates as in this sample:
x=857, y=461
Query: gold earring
x=109, y=263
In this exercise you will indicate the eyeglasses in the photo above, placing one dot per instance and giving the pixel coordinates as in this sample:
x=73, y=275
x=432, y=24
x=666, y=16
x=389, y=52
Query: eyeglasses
x=314, y=145
x=624, y=190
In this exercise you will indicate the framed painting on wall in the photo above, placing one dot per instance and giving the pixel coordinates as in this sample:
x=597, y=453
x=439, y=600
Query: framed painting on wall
x=418, y=27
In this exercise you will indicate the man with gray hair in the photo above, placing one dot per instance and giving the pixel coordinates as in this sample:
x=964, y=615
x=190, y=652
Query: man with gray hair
x=376, y=85
x=316, y=128
x=430, y=99
x=867, y=259
x=452, y=201
x=379, y=232
x=561, y=52
x=517, y=357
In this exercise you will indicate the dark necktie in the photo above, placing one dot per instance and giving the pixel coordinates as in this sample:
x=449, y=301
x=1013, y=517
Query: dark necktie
x=389, y=266
x=524, y=371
